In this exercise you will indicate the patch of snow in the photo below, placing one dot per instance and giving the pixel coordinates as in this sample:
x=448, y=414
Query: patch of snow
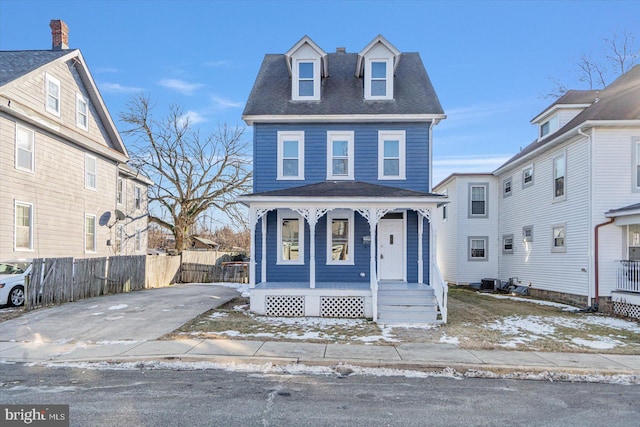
x=599, y=343
x=97, y=314
x=449, y=340
x=118, y=307
x=92, y=307
x=218, y=315
x=564, y=307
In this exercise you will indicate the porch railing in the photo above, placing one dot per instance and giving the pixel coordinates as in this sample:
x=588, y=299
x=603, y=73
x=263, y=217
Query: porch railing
x=440, y=289
x=628, y=276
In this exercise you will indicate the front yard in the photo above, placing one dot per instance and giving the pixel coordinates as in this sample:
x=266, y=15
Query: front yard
x=476, y=321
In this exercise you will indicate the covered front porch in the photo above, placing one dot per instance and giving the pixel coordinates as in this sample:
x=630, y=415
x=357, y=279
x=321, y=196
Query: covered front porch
x=341, y=237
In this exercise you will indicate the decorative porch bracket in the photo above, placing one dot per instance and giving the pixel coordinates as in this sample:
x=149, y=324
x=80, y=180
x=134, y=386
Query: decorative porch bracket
x=373, y=215
x=312, y=215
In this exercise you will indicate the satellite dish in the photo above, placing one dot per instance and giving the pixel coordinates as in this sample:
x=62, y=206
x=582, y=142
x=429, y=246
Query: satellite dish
x=120, y=215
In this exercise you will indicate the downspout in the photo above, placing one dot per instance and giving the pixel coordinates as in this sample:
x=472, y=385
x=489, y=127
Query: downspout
x=597, y=296
x=589, y=221
x=431, y=155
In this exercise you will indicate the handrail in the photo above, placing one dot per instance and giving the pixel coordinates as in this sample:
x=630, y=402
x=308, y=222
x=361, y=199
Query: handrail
x=440, y=290
x=628, y=276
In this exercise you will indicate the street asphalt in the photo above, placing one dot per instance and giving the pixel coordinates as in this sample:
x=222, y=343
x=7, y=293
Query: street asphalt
x=127, y=327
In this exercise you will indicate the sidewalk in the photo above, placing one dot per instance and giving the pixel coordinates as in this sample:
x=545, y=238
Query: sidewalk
x=412, y=356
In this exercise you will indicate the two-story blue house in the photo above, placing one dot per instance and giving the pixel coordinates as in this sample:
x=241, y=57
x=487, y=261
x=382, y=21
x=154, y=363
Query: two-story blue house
x=340, y=211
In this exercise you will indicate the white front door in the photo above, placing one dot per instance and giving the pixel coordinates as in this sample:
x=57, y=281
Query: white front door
x=391, y=249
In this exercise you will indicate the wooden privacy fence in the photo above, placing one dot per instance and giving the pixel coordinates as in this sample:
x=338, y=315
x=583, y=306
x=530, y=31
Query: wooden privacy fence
x=60, y=280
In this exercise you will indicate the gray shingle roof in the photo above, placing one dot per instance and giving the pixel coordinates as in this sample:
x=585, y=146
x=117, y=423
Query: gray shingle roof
x=328, y=189
x=614, y=212
x=618, y=101
x=342, y=92
x=15, y=64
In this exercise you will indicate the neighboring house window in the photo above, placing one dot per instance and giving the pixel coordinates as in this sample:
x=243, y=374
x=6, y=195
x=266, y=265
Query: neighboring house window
x=82, y=112
x=290, y=238
x=558, y=243
x=25, y=149
x=137, y=197
x=53, y=95
x=559, y=174
x=444, y=213
x=527, y=176
x=478, y=200
x=117, y=247
x=340, y=155
x=291, y=155
x=507, y=244
x=637, y=164
x=340, y=237
x=391, y=155
x=24, y=226
x=120, y=193
x=89, y=233
x=549, y=126
x=527, y=233
x=90, y=172
x=379, y=78
x=306, y=80
x=506, y=187
x=478, y=250
x=138, y=247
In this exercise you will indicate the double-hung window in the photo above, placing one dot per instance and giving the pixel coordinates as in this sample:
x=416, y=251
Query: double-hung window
x=527, y=176
x=527, y=233
x=52, y=89
x=559, y=177
x=120, y=192
x=507, y=187
x=90, y=172
x=478, y=200
x=137, y=197
x=290, y=155
x=118, y=238
x=507, y=244
x=340, y=155
x=340, y=237
x=379, y=79
x=23, y=240
x=290, y=238
x=82, y=112
x=89, y=233
x=558, y=243
x=306, y=80
x=637, y=165
x=478, y=250
x=25, y=144
x=391, y=154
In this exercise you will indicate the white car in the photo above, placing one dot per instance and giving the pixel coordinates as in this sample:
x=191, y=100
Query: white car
x=12, y=276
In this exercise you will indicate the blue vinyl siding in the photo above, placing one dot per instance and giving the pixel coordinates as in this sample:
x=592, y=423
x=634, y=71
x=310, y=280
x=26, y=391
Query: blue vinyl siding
x=337, y=273
x=366, y=154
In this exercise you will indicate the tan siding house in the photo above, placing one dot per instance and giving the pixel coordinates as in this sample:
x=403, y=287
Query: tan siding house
x=61, y=159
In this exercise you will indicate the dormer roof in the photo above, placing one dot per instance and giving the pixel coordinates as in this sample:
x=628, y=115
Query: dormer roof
x=306, y=41
x=379, y=41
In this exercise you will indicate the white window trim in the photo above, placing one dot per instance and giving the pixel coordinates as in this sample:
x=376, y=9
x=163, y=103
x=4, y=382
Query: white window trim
x=368, y=79
x=340, y=136
x=81, y=99
x=485, y=185
x=290, y=135
x=120, y=194
x=504, y=238
x=283, y=214
x=295, y=94
x=530, y=238
x=399, y=135
x=137, y=198
x=95, y=237
x=563, y=248
x=485, y=239
x=15, y=226
x=445, y=213
x=33, y=149
x=533, y=178
x=348, y=214
x=635, y=164
x=87, y=172
x=562, y=155
x=50, y=78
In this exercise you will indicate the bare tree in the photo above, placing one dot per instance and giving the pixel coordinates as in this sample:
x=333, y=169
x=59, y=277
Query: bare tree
x=192, y=173
x=620, y=55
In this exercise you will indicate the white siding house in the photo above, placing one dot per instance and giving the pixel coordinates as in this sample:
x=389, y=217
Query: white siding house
x=61, y=160
x=568, y=204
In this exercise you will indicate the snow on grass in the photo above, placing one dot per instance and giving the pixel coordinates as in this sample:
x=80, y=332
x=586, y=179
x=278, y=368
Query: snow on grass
x=218, y=315
x=449, y=340
x=598, y=342
x=564, y=307
x=242, y=288
x=118, y=307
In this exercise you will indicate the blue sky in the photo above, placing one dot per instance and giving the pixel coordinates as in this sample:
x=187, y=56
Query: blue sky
x=490, y=62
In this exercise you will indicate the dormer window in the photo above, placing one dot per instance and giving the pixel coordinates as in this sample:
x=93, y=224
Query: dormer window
x=307, y=64
x=376, y=64
x=549, y=126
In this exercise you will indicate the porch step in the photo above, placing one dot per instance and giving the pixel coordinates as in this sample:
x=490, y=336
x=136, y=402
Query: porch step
x=407, y=306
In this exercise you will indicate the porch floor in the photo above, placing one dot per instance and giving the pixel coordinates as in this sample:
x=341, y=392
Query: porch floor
x=360, y=286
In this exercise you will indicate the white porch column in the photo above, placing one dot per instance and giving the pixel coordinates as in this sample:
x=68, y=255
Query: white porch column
x=252, y=250
x=312, y=215
x=422, y=214
x=263, y=262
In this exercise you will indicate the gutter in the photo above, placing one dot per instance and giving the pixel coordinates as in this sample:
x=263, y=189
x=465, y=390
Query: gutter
x=597, y=281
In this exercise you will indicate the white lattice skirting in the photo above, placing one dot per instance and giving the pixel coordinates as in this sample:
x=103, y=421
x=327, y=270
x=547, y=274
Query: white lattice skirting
x=350, y=307
x=626, y=309
x=284, y=306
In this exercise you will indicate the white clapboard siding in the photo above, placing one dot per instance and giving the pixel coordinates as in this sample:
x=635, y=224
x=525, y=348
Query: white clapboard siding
x=446, y=232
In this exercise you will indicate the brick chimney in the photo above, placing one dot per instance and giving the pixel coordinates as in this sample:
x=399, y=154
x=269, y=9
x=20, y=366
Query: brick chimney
x=59, y=35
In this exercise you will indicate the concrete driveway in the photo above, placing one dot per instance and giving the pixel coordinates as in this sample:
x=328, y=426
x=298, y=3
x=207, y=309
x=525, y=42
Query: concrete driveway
x=136, y=316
